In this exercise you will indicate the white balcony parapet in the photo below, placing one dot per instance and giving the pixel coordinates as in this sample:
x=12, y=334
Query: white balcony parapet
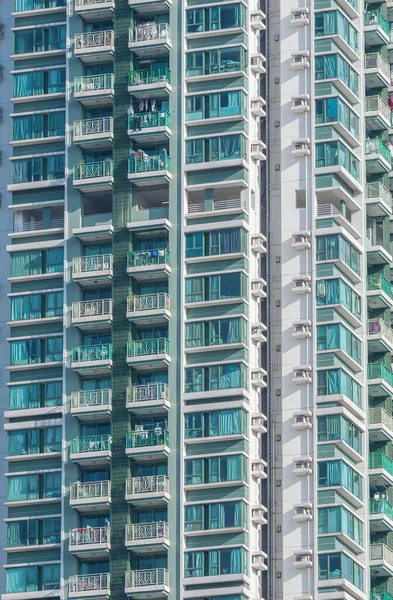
x=99, y=582
x=381, y=552
x=148, y=32
x=94, y=39
x=147, y=578
x=89, y=309
x=379, y=416
x=147, y=485
x=87, y=536
x=91, y=399
x=229, y=204
x=91, y=264
x=151, y=392
x=93, y=128
x=149, y=302
x=38, y=225
x=94, y=490
x=376, y=61
x=376, y=104
x=158, y=531
x=91, y=3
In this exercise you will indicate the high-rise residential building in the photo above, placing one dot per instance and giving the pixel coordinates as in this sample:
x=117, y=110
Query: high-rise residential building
x=136, y=383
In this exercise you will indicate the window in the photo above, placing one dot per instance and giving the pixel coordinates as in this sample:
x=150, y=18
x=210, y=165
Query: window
x=210, y=106
x=36, y=306
x=51, y=485
x=336, y=291
x=215, y=562
x=337, y=381
x=216, y=333
x=40, y=39
x=332, y=154
x=35, y=83
x=218, y=377
x=22, y=579
x=337, y=519
x=337, y=427
x=340, y=566
x=214, y=243
x=35, y=395
x=338, y=337
x=29, y=170
x=211, y=62
x=226, y=147
x=32, y=532
x=22, y=487
x=332, y=247
x=216, y=287
x=37, y=262
x=215, y=423
x=332, y=22
x=215, y=18
x=215, y=470
x=338, y=473
x=36, y=350
x=331, y=66
x=331, y=110
x=34, y=441
x=43, y=125
x=21, y=5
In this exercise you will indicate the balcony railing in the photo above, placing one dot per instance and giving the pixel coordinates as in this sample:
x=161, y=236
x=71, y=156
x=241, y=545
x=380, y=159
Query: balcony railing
x=148, y=32
x=89, y=535
x=92, y=308
x=94, y=83
x=374, y=60
x=91, y=398
x=379, y=327
x=94, y=39
x=38, y=225
x=380, y=415
x=80, y=3
x=147, y=577
x=89, y=583
x=141, y=121
x=381, y=552
x=377, y=147
x=93, y=170
x=379, y=460
x=381, y=595
x=375, y=17
x=149, y=164
x=378, y=190
x=148, y=302
x=147, y=531
x=92, y=353
x=378, y=282
x=91, y=489
x=149, y=258
x=375, y=103
x=140, y=439
x=228, y=204
x=381, y=506
x=147, y=393
x=379, y=371
x=88, y=127
x=149, y=76
x=147, y=485
x=91, y=264
x=148, y=347
x=91, y=443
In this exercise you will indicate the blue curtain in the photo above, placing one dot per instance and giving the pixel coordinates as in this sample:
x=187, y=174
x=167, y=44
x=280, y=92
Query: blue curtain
x=213, y=562
x=194, y=334
x=229, y=422
x=330, y=22
x=214, y=105
x=221, y=518
x=230, y=241
x=233, y=468
x=237, y=514
x=23, y=128
x=229, y=146
x=333, y=337
x=334, y=472
x=333, y=386
x=21, y=170
x=16, y=580
x=17, y=488
x=19, y=397
x=235, y=566
x=23, y=85
x=233, y=331
x=19, y=353
x=17, y=442
x=230, y=377
x=332, y=291
x=16, y=533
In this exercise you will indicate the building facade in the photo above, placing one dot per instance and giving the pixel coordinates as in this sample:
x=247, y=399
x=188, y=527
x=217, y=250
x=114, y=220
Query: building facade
x=136, y=379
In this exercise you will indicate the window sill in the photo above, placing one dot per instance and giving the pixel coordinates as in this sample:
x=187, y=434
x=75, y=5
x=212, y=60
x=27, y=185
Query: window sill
x=222, y=530
x=37, y=232
x=207, y=303
x=40, y=321
x=22, y=278
x=213, y=580
x=38, y=98
x=216, y=438
x=35, y=185
x=229, y=256
x=38, y=12
x=218, y=347
x=213, y=33
x=216, y=484
x=32, y=412
x=40, y=456
x=210, y=394
x=217, y=164
x=32, y=503
x=44, y=365
x=42, y=54
x=34, y=141
x=30, y=548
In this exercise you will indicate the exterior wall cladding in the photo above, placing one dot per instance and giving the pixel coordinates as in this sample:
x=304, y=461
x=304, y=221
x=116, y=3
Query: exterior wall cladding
x=133, y=270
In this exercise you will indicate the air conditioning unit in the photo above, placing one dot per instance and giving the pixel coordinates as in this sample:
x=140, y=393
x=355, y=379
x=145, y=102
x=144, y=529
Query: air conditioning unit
x=258, y=561
x=257, y=20
x=258, y=288
x=258, y=515
x=258, y=423
x=258, y=331
x=257, y=151
x=301, y=240
x=302, y=329
x=302, y=465
x=302, y=420
x=302, y=375
x=300, y=16
x=302, y=559
x=258, y=378
x=302, y=511
x=258, y=242
x=300, y=103
x=300, y=60
x=301, y=147
x=302, y=284
x=258, y=107
x=257, y=63
x=258, y=467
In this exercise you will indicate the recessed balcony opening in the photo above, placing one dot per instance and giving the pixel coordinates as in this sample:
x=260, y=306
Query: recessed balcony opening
x=39, y=219
x=225, y=199
x=97, y=209
x=150, y=203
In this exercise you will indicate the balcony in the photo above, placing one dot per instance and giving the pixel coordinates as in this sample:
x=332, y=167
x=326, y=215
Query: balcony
x=90, y=496
x=380, y=380
x=95, y=89
x=380, y=469
x=94, y=132
x=149, y=170
x=147, y=537
x=148, y=354
x=89, y=586
x=92, y=315
x=227, y=206
x=378, y=200
x=95, y=46
x=33, y=227
x=379, y=292
x=381, y=561
x=153, y=398
x=149, y=83
x=94, y=177
x=331, y=212
x=92, y=360
x=380, y=425
x=149, y=308
x=91, y=270
x=94, y=9
x=92, y=404
x=148, y=37
x=376, y=28
x=377, y=113
x=150, y=491
x=154, y=127
x=377, y=156
x=379, y=336
x=147, y=445
x=147, y=582
x=380, y=515
x=148, y=5
x=91, y=450
x=376, y=70
x=145, y=263
x=90, y=542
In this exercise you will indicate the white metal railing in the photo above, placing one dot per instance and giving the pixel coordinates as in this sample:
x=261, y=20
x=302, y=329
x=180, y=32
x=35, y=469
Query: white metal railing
x=87, y=127
x=376, y=61
x=328, y=210
x=381, y=552
x=94, y=39
x=147, y=531
x=84, y=536
x=147, y=485
x=228, y=204
x=91, y=2
x=379, y=327
x=89, y=583
x=92, y=308
x=147, y=577
x=87, y=399
x=378, y=190
x=380, y=415
x=147, y=32
x=95, y=490
x=38, y=225
x=375, y=103
x=148, y=302
x=87, y=264
x=93, y=83
x=147, y=393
